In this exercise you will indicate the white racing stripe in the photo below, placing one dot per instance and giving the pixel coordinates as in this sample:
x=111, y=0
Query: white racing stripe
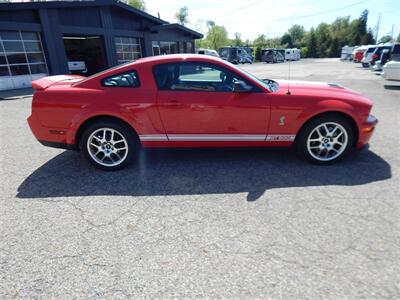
x=218, y=137
x=153, y=137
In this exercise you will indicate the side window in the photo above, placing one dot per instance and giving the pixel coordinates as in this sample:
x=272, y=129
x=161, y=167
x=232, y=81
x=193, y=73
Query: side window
x=126, y=79
x=194, y=76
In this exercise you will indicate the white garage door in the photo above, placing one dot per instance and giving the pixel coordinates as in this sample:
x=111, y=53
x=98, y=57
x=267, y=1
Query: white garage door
x=21, y=59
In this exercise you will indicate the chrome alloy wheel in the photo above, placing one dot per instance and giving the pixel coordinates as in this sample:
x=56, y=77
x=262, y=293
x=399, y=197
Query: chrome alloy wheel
x=327, y=141
x=107, y=147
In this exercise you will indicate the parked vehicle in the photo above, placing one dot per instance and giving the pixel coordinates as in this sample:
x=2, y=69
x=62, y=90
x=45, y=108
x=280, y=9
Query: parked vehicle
x=270, y=55
x=367, y=56
x=391, y=70
x=189, y=100
x=292, y=54
x=377, y=53
x=358, y=53
x=346, y=53
x=281, y=54
x=235, y=55
x=385, y=56
x=210, y=52
x=395, y=52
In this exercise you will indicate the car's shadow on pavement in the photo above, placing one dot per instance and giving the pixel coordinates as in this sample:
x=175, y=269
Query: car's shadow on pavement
x=188, y=172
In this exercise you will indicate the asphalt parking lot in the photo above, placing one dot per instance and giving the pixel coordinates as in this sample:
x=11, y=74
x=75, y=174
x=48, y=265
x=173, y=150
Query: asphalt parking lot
x=205, y=223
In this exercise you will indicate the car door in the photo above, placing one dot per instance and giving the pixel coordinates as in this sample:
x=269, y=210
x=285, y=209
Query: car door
x=196, y=102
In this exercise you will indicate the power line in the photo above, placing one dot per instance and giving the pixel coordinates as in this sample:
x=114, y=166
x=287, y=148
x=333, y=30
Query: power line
x=298, y=17
x=238, y=9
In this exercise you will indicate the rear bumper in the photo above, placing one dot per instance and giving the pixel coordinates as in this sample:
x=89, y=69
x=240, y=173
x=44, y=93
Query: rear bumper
x=366, y=131
x=51, y=137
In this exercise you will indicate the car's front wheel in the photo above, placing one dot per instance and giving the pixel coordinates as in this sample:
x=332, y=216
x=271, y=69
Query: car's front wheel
x=325, y=140
x=108, y=145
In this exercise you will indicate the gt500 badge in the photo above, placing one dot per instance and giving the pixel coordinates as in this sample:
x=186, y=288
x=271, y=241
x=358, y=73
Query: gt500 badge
x=280, y=138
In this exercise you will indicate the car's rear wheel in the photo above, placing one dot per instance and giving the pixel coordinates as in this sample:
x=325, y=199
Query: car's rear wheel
x=108, y=146
x=325, y=140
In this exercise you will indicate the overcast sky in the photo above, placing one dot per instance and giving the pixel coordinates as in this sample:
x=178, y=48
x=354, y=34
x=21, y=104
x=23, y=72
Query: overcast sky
x=271, y=17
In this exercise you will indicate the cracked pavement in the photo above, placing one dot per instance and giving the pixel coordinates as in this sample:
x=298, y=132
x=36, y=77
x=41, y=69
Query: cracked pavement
x=244, y=223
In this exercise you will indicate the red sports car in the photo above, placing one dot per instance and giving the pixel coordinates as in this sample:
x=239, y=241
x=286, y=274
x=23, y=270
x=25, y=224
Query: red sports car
x=195, y=101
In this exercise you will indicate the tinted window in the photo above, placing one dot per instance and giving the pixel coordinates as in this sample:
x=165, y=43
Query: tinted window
x=127, y=79
x=18, y=58
x=13, y=46
x=4, y=71
x=370, y=50
x=193, y=76
x=38, y=68
x=396, y=49
x=19, y=70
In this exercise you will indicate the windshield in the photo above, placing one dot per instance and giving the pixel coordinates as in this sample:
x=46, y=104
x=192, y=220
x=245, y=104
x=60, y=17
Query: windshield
x=266, y=84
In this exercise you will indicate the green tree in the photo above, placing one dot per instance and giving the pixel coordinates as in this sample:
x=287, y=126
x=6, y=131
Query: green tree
x=304, y=52
x=260, y=41
x=358, y=28
x=368, y=38
x=297, y=34
x=398, y=38
x=385, y=39
x=210, y=24
x=258, y=54
x=138, y=4
x=335, y=49
x=217, y=37
x=312, y=43
x=237, y=41
x=324, y=39
x=340, y=29
x=182, y=15
x=286, y=40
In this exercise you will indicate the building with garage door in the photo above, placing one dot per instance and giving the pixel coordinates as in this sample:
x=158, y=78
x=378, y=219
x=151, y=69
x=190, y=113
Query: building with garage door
x=80, y=37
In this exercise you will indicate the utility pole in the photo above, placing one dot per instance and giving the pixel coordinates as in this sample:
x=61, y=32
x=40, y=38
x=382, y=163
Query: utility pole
x=377, y=27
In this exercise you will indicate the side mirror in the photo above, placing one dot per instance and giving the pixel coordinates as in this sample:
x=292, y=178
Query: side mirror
x=239, y=86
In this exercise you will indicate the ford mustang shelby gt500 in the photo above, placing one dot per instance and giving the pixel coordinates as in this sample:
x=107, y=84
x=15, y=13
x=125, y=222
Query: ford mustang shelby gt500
x=195, y=101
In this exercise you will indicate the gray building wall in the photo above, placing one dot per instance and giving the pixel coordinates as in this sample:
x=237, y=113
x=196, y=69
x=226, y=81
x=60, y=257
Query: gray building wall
x=105, y=18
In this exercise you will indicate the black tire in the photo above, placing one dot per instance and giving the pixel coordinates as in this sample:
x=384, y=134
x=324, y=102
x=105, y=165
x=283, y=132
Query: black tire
x=310, y=128
x=132, y=144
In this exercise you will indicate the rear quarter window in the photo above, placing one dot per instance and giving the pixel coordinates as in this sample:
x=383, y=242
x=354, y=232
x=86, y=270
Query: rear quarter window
x=125, y=79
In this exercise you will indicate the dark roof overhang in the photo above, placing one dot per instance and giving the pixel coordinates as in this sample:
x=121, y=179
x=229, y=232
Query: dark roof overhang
x=175, y=26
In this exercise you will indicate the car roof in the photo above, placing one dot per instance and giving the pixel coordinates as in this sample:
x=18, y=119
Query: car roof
x=152, y=60
x=175, y=58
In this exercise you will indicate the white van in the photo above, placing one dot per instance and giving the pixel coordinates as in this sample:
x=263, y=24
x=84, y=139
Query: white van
x=292, y=54
x=210, y=52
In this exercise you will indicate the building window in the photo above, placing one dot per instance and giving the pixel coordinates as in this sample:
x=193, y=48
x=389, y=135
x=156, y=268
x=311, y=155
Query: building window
x=165, y=47
x=21, y=53
x=189, y=47
x=156, y=48
x=128, y=49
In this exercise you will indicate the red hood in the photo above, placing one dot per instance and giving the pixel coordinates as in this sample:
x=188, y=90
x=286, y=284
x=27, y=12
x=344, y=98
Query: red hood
x=321, y=90
x=313, y=86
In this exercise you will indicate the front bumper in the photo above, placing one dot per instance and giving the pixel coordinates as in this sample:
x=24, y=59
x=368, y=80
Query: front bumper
x=366, y=131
